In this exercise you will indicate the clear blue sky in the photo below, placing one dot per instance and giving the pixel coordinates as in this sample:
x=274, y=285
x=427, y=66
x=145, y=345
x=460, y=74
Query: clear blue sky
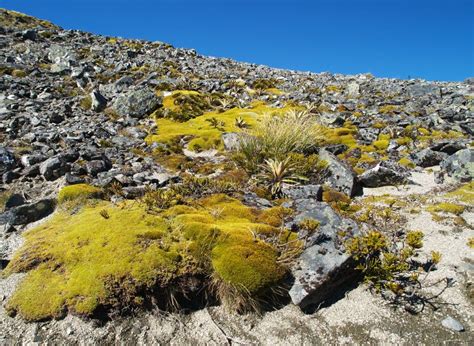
x=429, y=39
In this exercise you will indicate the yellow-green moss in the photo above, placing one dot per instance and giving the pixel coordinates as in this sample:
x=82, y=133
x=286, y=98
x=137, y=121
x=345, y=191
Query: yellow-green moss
x=447, y=207
x=113, y=254
x=340, y=135
x=333, y=88
x=275, y=91
x=388, y=109
x=202, y=135
x=19, y=73
x=464, y=194
x=86, y=103
x=406, y=162
x=77, y=192
x=404, y=140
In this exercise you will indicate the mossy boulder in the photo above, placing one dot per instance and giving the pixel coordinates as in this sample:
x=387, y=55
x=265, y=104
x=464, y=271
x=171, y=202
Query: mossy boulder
x=106, y=257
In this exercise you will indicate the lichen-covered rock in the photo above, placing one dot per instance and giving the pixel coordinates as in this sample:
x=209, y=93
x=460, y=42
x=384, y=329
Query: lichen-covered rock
x=137, y=103
x=427, y=157
x=313, y=192
x=460, y=165
x=324, y=265
x=340, y=175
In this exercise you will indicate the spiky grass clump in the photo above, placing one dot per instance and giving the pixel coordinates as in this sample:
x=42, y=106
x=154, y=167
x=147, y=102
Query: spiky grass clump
x=276, y=136
x=276, y=173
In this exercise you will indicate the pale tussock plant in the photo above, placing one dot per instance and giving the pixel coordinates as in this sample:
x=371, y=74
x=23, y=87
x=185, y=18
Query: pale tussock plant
x=276, y=136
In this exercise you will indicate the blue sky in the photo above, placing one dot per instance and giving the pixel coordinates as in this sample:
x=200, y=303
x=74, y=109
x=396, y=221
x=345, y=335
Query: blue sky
x=431, y=39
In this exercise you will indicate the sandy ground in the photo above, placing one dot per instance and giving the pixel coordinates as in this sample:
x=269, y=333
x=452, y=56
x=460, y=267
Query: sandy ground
x=357, y=317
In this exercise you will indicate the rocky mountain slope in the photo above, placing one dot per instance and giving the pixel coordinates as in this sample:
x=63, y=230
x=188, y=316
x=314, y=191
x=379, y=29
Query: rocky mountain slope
x=151, y=194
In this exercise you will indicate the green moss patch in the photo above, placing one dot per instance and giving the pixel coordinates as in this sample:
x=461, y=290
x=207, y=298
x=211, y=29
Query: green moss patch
x=114, y=256
x=78, y=192
x=200, y=130
x=464, y=194
x=447, y=207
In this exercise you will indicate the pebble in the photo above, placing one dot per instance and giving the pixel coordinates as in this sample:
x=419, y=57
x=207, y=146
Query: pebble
x=452, y=324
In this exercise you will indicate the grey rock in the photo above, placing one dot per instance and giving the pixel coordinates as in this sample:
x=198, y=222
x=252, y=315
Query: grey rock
x=53, y=168
x=136, y=132
x=61, y=56
x=99, y=102
x=9, y=176
x=251, y=199
x=313, y=192
x=460, y=165
x=448, y=147
x=417, y=90
x=7, y=160
x=382, y=175
x=353, y=90
x=452, y=324
x=133, y=192
x=31, y=35
x=340, y=175
x=6, y=228
x=28, y=213
x=231, y=141
x=14, y=200
x=137, y=103
x=324, y=265
x=56, y=118
x=94, y=167
x=427, y=157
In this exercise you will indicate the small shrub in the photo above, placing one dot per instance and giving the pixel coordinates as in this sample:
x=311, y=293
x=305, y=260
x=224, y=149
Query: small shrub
x=158, y=200
x=387, y=266
x=217, y=124
x=104, y=213
x=241, y=123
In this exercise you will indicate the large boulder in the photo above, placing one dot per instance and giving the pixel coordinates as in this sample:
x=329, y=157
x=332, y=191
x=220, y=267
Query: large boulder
x=27, y=213
x=99, y=102
x=340, y=176
x=53, y=168
x=382, y=175
x=460, y=165
x=137, y=103
x=449, y=146
x=427, y=157
x=324, y=265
